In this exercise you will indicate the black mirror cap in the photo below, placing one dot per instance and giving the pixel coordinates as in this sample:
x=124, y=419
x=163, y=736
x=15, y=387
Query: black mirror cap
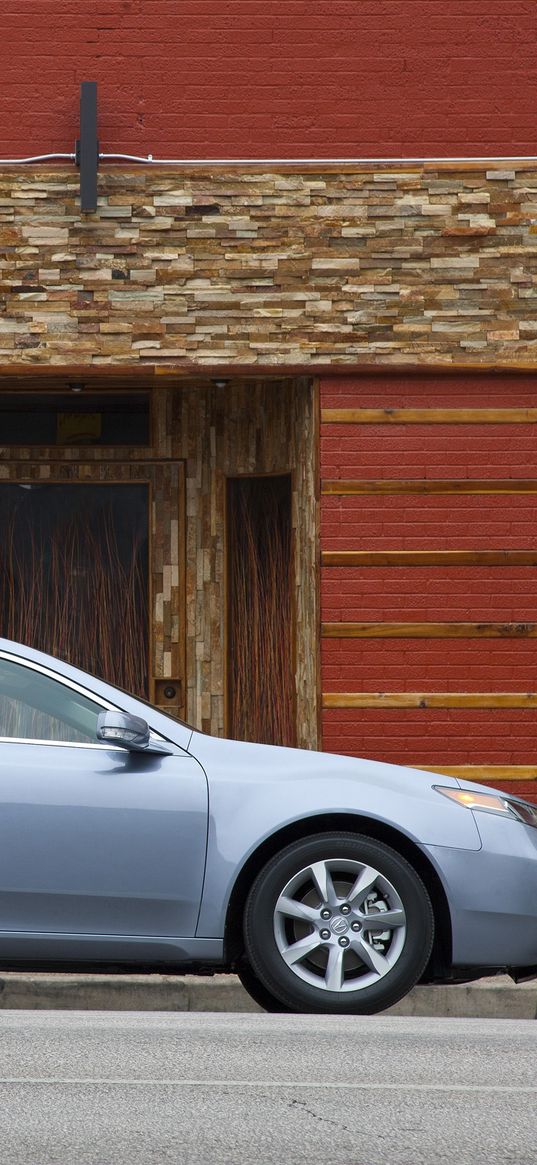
x=123, y=730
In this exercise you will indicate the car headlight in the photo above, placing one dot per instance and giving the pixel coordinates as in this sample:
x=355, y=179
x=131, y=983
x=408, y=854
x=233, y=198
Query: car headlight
x=492, y=803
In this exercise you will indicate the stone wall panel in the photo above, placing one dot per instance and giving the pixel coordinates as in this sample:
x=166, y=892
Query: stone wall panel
x=428, y=266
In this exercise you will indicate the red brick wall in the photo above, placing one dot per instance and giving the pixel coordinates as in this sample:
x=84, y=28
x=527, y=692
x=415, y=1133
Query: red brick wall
x=321, y=77
x=443, y=594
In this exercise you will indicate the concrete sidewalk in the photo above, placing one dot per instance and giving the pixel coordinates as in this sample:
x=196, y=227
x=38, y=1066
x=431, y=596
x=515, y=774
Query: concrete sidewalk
x=495, y=998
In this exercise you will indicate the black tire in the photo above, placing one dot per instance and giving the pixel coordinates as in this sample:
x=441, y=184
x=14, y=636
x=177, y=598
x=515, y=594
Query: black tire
x=256, y=989
x=382, y=963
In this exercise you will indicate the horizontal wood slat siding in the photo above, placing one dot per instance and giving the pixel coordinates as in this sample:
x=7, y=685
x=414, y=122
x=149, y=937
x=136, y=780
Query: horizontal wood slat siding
x=429, y=557
x=407, y=416
x=367, y=459
x=428, y=630
x=429, y=700
x=421, y=486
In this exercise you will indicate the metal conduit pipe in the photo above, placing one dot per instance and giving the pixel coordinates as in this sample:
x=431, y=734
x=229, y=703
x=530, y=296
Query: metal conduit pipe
x=149, y=160
x=34, y=158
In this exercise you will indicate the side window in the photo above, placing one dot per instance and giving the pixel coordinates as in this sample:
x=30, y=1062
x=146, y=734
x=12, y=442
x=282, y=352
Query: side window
x=35, y=707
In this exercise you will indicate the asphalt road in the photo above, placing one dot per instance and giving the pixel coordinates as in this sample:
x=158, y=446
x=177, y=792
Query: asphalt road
x=95, y=1088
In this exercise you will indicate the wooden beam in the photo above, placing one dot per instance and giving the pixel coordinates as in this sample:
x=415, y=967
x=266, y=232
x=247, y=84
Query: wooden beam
x=182, y=368
x=484, y=773
x=431, y=486
x=431, y=416
x=429, y=630
x=429, y=558
x=429, y=700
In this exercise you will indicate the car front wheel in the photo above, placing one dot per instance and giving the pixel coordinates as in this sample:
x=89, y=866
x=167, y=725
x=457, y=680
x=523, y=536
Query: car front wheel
x=338, y=923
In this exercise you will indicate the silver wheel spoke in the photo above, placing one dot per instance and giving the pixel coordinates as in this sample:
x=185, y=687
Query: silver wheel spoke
x=323, y=881
x=294, y=909
x=334, y=970
x=364, y=883
x=383, y=920
x=372, y=958
x=300, y=949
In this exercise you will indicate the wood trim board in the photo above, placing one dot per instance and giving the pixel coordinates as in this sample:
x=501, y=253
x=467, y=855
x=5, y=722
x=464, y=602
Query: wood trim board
x=488, y=773
x=429, y=416
x=429, y=558
x=431, y=486
x=429, y=630
x=429, y=700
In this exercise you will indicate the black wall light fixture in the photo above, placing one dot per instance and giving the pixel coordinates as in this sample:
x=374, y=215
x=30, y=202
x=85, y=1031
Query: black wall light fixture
x=87, y=147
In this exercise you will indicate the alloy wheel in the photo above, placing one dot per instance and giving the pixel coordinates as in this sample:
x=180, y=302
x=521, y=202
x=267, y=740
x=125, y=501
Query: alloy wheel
x=339, y=925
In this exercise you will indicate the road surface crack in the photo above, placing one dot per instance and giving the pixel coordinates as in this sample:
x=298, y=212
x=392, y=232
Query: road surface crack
x=325, y=1119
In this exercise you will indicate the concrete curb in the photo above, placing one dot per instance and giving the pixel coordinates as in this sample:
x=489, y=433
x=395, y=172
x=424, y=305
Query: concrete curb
x=496, y=998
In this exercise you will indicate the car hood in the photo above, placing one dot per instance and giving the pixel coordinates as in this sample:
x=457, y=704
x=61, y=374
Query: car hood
x=255, y=790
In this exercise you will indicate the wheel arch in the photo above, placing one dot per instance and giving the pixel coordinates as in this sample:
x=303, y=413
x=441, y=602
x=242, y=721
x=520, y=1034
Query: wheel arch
x=441, y=955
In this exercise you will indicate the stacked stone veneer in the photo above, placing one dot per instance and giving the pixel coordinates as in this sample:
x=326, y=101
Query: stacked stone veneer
x=429, y=265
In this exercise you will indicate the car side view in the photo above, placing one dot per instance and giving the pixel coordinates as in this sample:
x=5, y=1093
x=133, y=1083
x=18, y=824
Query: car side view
x=327, y=883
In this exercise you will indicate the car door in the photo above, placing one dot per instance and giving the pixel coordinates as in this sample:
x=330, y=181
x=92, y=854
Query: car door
x=94, y=840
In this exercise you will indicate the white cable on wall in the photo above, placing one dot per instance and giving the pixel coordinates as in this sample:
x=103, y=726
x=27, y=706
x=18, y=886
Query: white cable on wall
x=149, y=160
x=35, y=158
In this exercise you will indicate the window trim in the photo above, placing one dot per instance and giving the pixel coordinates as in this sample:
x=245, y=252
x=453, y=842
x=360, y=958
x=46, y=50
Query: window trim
x=60, y=743
x=75, y=687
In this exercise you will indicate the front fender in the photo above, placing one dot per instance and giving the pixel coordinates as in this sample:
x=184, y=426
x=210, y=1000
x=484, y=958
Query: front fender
x=257, y=790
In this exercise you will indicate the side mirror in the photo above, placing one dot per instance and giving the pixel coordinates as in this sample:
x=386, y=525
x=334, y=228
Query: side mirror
x=121, y=729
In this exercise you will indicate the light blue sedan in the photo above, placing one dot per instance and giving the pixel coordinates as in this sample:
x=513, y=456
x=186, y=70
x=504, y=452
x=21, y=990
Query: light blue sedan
x=328, y=884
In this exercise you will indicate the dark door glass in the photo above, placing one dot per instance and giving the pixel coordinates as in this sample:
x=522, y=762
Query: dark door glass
x=74, y=575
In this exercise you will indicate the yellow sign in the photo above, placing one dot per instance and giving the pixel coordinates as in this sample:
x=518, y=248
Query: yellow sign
x=78, y=428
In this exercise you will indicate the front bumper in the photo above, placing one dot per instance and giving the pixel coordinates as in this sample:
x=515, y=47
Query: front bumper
x=492, y=894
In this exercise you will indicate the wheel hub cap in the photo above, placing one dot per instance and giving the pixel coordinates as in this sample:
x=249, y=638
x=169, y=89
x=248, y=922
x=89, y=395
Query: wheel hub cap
x=345, y=951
